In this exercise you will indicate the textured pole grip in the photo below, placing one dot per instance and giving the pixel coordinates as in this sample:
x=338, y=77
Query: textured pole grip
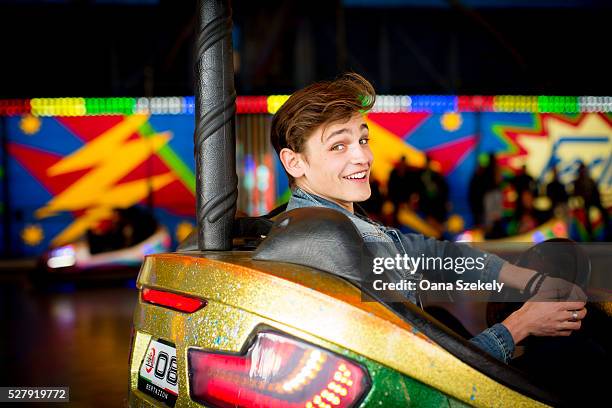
x=214, y=138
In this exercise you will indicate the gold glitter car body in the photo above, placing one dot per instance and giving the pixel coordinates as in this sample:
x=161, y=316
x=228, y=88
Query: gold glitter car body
x=243, y=295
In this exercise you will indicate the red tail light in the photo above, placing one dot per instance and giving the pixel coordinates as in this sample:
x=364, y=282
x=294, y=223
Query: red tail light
x=276, y=372
x=172, y=300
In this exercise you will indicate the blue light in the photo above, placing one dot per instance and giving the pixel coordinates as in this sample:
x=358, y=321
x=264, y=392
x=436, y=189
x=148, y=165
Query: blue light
x=249, y=163
x=190, y=104
x=67, y=250
x=538, y=237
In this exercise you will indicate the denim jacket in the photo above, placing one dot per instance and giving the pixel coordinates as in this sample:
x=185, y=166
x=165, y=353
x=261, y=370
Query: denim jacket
x=496, y=340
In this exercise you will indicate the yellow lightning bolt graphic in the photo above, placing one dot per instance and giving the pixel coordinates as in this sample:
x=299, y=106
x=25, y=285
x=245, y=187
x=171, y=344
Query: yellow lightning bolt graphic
x=111, y=157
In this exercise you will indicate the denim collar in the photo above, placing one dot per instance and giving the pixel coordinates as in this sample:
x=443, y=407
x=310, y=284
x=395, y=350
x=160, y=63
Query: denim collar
x=300, y=198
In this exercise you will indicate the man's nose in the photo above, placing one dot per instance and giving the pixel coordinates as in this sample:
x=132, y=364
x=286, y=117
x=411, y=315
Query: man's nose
x=359, y=155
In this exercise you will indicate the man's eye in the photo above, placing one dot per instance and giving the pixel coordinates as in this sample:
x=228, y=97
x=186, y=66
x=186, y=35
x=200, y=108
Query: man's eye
x=365, y=140
x=338, y=147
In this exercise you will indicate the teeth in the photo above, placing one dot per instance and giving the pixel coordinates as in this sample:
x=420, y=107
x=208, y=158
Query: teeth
x=357, y=175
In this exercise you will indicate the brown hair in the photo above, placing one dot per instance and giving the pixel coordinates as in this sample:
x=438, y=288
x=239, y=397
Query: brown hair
x=317, y=104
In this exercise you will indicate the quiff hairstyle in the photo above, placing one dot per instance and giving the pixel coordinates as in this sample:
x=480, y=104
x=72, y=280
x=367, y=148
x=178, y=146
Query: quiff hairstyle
x=319, y=104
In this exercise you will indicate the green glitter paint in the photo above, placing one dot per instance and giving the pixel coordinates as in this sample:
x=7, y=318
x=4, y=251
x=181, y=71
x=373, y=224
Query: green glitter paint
x=393, y=389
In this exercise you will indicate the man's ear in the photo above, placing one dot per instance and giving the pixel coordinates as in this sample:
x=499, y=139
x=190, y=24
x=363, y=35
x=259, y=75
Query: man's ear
x=292, y=162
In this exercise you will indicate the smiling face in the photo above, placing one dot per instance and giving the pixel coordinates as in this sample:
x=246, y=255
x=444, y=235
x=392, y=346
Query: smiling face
x=336, y=162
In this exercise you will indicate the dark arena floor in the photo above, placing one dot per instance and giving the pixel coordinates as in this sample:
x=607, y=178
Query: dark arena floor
x=74, y=336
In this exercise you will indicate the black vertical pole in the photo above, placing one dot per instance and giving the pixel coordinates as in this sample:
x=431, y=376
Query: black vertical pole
x=214, y=139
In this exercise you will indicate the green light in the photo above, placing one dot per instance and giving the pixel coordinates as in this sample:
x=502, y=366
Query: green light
x=572, y=104
x=89, y=106
x=130, y=105
x=558, y=104
x=543, y=104
x=484, y=159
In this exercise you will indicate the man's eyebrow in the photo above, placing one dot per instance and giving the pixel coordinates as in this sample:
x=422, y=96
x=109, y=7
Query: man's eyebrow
x=335, y=133
x=344, y=130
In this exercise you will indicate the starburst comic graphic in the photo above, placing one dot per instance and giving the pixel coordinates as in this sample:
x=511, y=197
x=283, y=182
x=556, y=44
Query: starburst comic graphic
x=562, y=141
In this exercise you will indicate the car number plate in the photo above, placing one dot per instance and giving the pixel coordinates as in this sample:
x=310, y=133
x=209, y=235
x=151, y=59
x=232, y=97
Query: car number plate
x=158, y=376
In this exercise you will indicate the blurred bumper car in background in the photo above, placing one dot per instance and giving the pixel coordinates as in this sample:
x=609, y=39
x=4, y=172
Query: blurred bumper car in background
x=115, y=248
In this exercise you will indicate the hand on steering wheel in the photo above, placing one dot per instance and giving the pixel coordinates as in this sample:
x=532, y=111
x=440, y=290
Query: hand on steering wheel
x=545, y=319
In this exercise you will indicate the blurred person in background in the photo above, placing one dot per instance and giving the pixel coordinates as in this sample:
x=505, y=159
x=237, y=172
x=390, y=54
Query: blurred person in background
x=434, y=195
x=398, y=187
x=526, y=217
x=493, y=199
x=476, y=191
x=555, y=190
x=587, y=190
x=523, y=181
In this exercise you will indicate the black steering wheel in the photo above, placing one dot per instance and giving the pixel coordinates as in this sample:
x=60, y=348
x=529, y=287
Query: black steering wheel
x=567, y=366
x=555, y=258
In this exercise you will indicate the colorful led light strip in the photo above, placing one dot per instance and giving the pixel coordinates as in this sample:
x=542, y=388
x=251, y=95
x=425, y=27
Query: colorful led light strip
x=185, y=105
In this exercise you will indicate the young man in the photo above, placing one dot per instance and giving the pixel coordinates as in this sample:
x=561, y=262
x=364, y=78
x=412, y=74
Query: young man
x=321, y=137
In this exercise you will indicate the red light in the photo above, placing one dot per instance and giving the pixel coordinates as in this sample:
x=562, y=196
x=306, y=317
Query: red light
x=172, y=300
x=487, y=103
x=276, y=371
x=252, y=104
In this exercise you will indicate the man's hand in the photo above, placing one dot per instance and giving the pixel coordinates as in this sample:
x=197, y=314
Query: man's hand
x=529, y=281
x=545, y=319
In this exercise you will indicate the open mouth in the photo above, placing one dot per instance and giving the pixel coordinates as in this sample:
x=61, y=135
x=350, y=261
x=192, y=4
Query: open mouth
x=362, y=175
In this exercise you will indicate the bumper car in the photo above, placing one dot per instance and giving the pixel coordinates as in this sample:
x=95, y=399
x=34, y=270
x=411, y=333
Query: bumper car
x=286, y=325
x=82, y=260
